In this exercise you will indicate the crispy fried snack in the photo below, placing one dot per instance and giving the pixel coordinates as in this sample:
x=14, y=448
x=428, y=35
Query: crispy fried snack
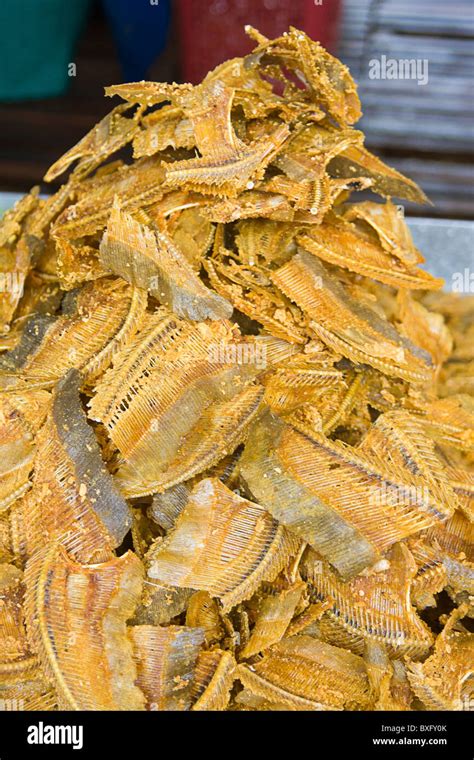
x=236, y=414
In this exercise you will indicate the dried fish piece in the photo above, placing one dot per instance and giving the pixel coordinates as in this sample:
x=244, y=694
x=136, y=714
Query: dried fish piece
x=444, y=680
x=357, y=161
x=252, y=93
x=138, y=185
x=213, y=679
x=132, y=321
x=160, y=603
x=13, y=643
x=190, y=372
x=23, y=688
x=6, y=549
x=374, y=607
x=77, y=263
x=227, y=174
x=166, y=128
x=193, y=234
x=73, y=499
x=225, y=425
x=251, y=291
x=348, y=403
x=347, y=327
x=166, y=660
x=424, y=329
x=340, y=242
x=222, y=544
x=76, y=623
x=451, y=421
x=388, y=222
x=172, y=203
x=462, y=481
x=306, y=620
x=256, y=96
x=20, y=419
x=167, y=506
x=111, y=133
x=143, y=531
x=400, y=440
x=303, y=673
x=454, y=545
x=327, y=79
x=316, y=397
x=313, y=197
x=266, y=242
x=431, y=576
x=22, y=685
x=303, y=379
x=246, y=699
x=260, y=302
x=304, y=160
x=226, y=164
x=133, y=364
x=150, y=260
x=273, y=619
x=388, y=679
x=203, y=612
x=350, y=507
x=10, y=226
x=150, y=93
x=40, y=296
x=94, y=322
x=16, y=255
x=294, y=503
x=251, y=204
x=310, y=149
x=33, y=247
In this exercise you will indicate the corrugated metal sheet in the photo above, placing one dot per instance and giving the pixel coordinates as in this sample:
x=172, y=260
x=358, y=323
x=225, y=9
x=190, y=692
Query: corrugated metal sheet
x=425, y=130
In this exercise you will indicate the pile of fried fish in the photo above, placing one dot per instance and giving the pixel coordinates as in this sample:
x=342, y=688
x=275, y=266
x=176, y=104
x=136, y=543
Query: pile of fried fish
x=237, y=421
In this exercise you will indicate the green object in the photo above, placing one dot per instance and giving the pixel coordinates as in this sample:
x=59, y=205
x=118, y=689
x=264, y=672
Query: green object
x=37, y=46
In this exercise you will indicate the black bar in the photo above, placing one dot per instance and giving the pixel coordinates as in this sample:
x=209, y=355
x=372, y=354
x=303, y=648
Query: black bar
x=153, y=734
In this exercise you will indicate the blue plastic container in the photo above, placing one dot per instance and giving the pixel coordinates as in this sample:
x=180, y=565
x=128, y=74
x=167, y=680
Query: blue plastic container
x=37, y=46
x=140, y=29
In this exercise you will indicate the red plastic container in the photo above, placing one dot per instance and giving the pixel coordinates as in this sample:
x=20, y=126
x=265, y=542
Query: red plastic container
x=213, y=30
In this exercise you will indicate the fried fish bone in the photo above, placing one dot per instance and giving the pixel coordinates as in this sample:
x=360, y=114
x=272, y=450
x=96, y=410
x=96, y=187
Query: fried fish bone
x=349, y=507
x=76, y=621
x=222, y=544
x=151, y=260
x=73, y=498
